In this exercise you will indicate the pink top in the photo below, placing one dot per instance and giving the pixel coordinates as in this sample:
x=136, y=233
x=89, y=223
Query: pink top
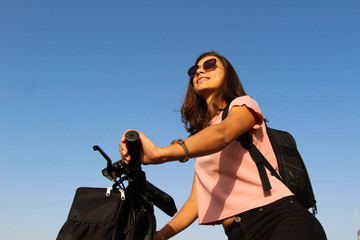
x=228, y=182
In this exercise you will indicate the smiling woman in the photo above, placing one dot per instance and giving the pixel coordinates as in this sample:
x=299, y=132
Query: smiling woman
x=195, y=113
x=208, y=78
x=227, y=188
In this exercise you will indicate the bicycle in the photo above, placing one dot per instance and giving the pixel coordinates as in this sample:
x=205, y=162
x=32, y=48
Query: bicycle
x=131, y=216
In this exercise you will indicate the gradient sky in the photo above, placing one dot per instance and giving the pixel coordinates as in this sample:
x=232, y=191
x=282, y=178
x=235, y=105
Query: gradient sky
x=78, y=73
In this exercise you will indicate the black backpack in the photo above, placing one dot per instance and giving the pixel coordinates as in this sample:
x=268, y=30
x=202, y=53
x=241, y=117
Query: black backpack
x=291, y=166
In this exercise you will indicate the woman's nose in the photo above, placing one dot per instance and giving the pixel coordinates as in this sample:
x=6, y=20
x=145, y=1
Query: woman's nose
x=200, y=70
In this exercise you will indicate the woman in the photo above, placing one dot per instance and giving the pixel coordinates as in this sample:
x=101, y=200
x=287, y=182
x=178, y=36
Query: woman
x=227, y=188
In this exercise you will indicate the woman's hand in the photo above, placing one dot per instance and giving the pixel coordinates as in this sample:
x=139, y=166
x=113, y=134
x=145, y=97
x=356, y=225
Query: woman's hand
x=150, y=153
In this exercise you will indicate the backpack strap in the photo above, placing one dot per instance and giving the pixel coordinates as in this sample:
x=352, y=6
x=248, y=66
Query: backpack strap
x=259, y=159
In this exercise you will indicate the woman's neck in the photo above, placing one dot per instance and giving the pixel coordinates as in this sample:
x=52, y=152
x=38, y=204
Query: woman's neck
x=211, y=109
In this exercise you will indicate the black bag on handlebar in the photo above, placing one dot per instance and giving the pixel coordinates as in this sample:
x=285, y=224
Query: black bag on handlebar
x=98, y=213
x=117, y=212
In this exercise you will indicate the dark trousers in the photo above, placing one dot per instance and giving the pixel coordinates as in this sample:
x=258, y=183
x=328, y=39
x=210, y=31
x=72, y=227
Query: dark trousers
x=284, y=219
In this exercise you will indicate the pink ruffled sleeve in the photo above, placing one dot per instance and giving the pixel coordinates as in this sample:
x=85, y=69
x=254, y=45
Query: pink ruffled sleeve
x=252, y=105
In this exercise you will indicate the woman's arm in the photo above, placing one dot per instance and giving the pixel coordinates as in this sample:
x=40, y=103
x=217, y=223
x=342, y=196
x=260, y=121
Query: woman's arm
x=210, y=140
x=184, y=218
x=216, y=137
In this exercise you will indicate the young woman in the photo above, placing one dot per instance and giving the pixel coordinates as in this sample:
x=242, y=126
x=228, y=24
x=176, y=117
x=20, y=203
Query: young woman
x=227, y=188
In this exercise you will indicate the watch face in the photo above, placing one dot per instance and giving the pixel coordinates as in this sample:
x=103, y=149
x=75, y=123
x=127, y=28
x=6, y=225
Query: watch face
x=176, y=141
x=183, y=145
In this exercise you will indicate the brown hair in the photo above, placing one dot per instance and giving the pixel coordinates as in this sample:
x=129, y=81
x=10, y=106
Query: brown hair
x=194, y=111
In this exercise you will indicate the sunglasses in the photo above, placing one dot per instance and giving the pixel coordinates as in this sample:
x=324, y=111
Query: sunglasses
x=207, y=66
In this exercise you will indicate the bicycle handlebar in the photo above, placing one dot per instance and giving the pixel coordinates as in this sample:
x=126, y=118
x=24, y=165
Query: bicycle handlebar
x=138, y=182
x=133, y=145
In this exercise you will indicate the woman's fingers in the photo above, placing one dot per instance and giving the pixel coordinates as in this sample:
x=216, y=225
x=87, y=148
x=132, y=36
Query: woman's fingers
x=149, y=150
x=123, y=149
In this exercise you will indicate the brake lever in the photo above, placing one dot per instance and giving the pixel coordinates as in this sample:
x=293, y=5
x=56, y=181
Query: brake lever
x=109, y=171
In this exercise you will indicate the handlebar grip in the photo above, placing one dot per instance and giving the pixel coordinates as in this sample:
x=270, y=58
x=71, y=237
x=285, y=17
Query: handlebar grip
x=133, y=145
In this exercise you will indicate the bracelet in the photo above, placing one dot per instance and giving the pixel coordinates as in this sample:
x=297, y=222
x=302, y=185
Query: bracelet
x=183, y=145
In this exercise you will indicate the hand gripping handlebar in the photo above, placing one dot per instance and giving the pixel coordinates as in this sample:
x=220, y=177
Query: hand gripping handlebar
x=120, y=171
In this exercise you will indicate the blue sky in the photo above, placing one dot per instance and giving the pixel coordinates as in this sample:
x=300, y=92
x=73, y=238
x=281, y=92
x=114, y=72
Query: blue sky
x=78, y=73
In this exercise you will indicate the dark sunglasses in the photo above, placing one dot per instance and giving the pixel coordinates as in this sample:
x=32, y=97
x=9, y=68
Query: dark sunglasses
x=207, y=66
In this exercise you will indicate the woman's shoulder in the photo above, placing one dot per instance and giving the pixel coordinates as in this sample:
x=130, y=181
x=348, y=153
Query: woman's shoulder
x=245, y=100
x=251, y=104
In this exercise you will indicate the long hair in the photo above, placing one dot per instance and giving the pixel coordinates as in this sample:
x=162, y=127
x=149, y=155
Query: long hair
x=194, y=111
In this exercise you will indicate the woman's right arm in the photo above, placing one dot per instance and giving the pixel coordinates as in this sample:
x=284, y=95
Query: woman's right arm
x=209, y=140
x=184, y=218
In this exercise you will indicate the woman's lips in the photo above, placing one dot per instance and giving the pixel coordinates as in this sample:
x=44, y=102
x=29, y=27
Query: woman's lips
x=202, y=79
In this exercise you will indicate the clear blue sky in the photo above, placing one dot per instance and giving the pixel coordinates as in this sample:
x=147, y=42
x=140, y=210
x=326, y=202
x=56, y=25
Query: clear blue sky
x=78, y=73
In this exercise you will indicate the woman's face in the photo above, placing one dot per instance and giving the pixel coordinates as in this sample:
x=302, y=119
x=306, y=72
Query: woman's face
x=207, y=82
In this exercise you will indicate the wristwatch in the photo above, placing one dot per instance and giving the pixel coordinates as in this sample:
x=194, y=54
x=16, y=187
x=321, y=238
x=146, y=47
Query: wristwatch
x=183, y=145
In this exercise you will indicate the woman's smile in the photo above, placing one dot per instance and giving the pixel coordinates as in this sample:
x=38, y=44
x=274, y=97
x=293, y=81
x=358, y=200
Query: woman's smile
x=202, y=79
